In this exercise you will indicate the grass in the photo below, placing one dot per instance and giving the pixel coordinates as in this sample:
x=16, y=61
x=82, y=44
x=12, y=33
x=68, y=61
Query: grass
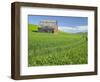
x=61, y=48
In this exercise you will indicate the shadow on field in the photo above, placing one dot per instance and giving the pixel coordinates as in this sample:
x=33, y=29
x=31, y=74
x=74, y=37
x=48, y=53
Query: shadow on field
x=34, y=31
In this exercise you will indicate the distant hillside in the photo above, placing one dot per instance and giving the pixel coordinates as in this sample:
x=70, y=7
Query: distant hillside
x=33, y=27
x=82, y=33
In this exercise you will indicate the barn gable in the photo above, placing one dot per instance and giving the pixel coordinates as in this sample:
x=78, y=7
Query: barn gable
x=48, y=26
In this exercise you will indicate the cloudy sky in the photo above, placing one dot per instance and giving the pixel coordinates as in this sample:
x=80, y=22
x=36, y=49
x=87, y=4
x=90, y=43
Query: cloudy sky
x=65, y=23
x=74, y=30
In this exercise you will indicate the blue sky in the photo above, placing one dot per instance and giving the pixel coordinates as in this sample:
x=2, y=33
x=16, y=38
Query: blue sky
x=65, y=23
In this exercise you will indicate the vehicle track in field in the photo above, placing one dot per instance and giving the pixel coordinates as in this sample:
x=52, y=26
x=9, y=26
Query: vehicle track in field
x=73, y=45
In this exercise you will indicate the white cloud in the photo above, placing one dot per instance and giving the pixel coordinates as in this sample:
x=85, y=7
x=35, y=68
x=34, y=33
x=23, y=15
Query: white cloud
x=74, y=29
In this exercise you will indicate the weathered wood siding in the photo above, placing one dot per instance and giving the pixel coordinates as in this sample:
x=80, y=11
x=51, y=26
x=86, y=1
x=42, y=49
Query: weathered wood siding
x=48, y=26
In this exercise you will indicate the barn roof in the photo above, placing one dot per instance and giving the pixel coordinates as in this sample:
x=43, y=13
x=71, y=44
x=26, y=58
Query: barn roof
x=53, y=21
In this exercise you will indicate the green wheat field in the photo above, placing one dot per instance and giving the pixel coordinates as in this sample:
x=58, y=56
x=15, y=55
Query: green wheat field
x=61, y=48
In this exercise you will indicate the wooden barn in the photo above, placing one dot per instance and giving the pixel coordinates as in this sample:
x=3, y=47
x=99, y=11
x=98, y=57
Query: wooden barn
x=49, y=26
